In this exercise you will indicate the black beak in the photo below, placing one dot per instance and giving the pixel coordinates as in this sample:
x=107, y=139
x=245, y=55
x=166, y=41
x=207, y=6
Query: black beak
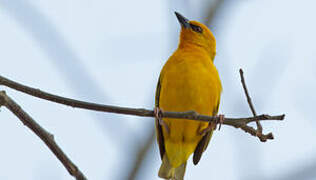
x=182, y=20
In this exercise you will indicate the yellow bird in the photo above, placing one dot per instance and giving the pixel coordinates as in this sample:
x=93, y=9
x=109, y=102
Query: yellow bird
x=188, y=81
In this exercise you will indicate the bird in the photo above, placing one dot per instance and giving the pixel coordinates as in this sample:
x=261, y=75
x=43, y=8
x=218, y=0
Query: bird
x=188, y=81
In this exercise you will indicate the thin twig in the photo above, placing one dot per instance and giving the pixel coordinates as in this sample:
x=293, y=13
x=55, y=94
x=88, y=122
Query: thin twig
x=142, y=154
x=213, y=11
x=47, y=137
x=246, y=92
x=252, y=108
x=190, y=115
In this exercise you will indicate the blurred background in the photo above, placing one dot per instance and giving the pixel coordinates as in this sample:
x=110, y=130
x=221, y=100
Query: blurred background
x=111, y=52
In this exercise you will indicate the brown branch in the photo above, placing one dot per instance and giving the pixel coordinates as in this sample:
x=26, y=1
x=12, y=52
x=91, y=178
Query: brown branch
x=215, y=6
x=190, y=115
x=246, y=92
x=142, y=154
x=259, y=134
x=47, y=137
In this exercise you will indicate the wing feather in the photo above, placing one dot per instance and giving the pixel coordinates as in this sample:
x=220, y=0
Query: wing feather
x=202, y=145
x=160, y=138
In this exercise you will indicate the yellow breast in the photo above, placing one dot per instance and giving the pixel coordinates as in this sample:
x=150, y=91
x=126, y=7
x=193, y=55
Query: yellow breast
x=190, y=81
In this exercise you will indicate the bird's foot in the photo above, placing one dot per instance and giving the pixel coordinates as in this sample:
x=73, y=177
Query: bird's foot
x=220, y=121
x=158, y=114
x=213, y=125
x=209, y=128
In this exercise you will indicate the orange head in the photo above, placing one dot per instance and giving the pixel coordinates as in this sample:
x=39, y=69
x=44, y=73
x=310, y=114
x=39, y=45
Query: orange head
x=195, y=33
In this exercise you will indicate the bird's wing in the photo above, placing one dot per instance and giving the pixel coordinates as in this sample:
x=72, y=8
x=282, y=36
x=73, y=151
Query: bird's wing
x=201, y=147
x=160, y=138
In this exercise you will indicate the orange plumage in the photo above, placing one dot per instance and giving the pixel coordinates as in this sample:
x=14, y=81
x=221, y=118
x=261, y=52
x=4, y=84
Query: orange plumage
x=188, y=81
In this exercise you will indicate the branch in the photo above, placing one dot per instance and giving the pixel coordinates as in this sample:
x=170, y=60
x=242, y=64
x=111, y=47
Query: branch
x=141, y=155
x=47, y=137
x=190, y=115
x=259, y=127
x=213, y=11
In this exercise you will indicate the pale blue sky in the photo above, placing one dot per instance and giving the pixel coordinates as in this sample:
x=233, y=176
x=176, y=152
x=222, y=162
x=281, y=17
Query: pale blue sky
x=111, y=52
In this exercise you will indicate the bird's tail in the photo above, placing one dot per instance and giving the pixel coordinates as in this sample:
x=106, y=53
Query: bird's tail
x=166, y=171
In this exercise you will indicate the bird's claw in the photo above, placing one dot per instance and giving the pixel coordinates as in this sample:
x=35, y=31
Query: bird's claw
x=213, y=125
x=207, y=129
x=158, y=114
x=220, y=121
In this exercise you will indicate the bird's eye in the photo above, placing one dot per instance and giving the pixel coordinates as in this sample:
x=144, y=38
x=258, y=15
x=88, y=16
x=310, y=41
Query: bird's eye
x=196, y=28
